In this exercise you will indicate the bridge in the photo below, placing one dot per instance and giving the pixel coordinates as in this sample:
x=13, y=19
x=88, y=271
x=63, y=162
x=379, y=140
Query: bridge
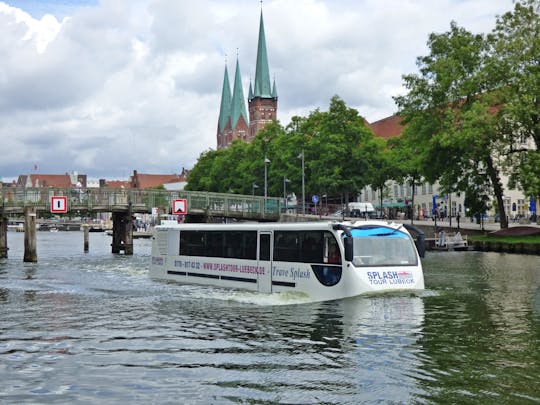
x=14, y=200
x=123, y=203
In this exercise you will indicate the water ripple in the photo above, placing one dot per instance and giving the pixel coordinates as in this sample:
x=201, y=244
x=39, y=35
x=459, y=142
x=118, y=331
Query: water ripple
x=82, y=328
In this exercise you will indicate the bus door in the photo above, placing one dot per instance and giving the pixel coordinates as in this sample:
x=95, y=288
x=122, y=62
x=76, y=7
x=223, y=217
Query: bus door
x=264, y=275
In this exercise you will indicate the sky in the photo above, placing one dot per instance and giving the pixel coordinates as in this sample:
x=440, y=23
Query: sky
x=105, y=87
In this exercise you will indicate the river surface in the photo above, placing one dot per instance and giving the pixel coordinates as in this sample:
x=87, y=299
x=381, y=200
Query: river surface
x=94, y=328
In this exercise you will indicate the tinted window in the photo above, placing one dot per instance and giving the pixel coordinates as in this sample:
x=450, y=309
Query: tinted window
x=229, y=244
x=192, y=243
x=301, y=246
x=264, y=248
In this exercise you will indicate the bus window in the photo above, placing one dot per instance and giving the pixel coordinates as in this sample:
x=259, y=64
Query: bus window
x=332, y=254
x=264, y=248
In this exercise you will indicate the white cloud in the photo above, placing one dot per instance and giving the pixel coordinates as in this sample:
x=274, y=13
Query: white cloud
x=136, y=84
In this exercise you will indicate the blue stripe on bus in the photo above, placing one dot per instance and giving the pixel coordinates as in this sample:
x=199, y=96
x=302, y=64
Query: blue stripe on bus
x=378, y=231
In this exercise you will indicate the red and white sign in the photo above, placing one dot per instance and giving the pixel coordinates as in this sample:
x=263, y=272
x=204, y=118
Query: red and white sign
x=179, y=207
x=59, y=204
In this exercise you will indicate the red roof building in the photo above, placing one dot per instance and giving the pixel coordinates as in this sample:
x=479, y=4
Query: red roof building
x=142, y=181
x=51, y=180
x=388, y=127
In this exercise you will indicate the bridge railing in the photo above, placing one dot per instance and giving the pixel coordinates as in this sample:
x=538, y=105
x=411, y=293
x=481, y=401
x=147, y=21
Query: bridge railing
x=14, y=199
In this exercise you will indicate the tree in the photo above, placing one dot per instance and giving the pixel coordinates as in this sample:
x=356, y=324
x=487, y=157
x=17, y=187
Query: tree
x=448, y=112
x=337, y=140
x=338, y=147
x=381, y=167
x=407, y=158
x=200, y=176
x=514, y=68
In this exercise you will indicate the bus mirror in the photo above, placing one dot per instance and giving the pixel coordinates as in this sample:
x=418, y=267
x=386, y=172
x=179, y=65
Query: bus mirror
x=348, y=249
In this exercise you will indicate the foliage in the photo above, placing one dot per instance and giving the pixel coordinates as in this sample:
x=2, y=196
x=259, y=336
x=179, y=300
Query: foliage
x=339, y=150
x=448, y=115
x=514, y=68
x=471, y=114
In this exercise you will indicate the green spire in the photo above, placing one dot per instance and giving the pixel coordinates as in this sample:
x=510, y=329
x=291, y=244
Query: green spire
x=225, y=108
x=250, y=94
x=274, y=90
x=262, y=74
x=238, y=105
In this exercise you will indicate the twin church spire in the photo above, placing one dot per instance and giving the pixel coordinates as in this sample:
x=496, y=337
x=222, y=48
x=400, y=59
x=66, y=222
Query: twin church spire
x=233, y=122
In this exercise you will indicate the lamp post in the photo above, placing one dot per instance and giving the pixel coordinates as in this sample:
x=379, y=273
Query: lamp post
x=285, y=181
x=253, y=187
x=266, y=161
x=301, y=156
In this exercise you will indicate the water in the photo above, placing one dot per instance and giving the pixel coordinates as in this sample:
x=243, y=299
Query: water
x=88, y=328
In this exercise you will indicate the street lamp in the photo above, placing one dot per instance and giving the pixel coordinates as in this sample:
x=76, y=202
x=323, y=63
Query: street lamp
x=285, y=181
x=253, y=187
x=301, y=156
x=266, y=161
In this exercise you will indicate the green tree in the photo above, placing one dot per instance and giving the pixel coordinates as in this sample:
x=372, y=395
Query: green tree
x=406, y=161
x=515, y=72
x=337, y=141
x=200, y=176
x=448, y=112
x=381, y=168
x=338, y=151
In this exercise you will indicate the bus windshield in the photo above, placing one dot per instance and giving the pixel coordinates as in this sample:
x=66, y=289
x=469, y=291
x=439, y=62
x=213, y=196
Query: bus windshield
x=382, y=246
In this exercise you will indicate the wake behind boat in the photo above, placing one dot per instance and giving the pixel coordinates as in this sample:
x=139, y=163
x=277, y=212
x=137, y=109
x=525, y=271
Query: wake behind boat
x=325, y=260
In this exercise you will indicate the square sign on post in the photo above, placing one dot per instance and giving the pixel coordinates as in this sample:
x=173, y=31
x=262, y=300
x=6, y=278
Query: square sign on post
x=59, y=204
x=179, y=207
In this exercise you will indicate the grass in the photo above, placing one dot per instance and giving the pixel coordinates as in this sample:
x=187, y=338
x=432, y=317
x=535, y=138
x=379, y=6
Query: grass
x=506, y=239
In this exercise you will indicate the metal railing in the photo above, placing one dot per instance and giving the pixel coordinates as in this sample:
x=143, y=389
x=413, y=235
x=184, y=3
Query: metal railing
x=14, y=199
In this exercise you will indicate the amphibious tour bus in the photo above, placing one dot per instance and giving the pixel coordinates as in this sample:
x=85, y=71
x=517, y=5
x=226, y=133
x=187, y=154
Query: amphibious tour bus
x=325, y=260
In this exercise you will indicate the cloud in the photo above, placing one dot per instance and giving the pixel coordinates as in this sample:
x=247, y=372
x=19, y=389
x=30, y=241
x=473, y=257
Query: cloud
x=124, y=85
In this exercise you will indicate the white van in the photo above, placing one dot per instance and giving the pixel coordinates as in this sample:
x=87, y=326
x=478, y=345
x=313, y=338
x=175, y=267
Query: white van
x=361, y=209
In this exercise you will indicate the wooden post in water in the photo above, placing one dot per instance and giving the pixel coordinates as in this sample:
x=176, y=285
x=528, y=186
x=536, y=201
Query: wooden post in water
x=117, y=230
x=122, y=233
x=3, y=237
x=30, y=252
x=86, y=230
x=128, y=236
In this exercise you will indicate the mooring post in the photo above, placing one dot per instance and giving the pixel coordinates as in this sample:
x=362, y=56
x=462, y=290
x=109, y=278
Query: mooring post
x=3, y=237
x=128, y=235
x=122, y=233
x=117, y=232
x=30, y=252
x=86, y=230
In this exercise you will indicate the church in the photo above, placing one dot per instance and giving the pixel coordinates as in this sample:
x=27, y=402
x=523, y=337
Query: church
x=233, y=122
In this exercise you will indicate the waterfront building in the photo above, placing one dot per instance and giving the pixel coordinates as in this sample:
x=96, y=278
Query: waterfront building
x=233, y=121
x=52, y=180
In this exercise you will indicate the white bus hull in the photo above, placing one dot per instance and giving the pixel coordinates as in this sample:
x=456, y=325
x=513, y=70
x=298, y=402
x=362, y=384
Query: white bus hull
x=276, y=276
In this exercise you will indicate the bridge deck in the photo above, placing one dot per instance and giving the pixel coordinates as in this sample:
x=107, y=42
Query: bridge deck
x=141, y=201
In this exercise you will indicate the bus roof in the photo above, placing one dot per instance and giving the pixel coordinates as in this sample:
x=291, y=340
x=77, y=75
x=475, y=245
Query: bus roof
x=281, y=226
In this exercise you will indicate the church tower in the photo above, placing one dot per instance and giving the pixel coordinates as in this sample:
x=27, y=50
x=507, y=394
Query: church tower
x=262, y=99
x=233, y=122
x=224, y=120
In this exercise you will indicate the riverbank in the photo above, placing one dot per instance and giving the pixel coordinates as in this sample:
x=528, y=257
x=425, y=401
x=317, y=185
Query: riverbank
x=517, y=238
